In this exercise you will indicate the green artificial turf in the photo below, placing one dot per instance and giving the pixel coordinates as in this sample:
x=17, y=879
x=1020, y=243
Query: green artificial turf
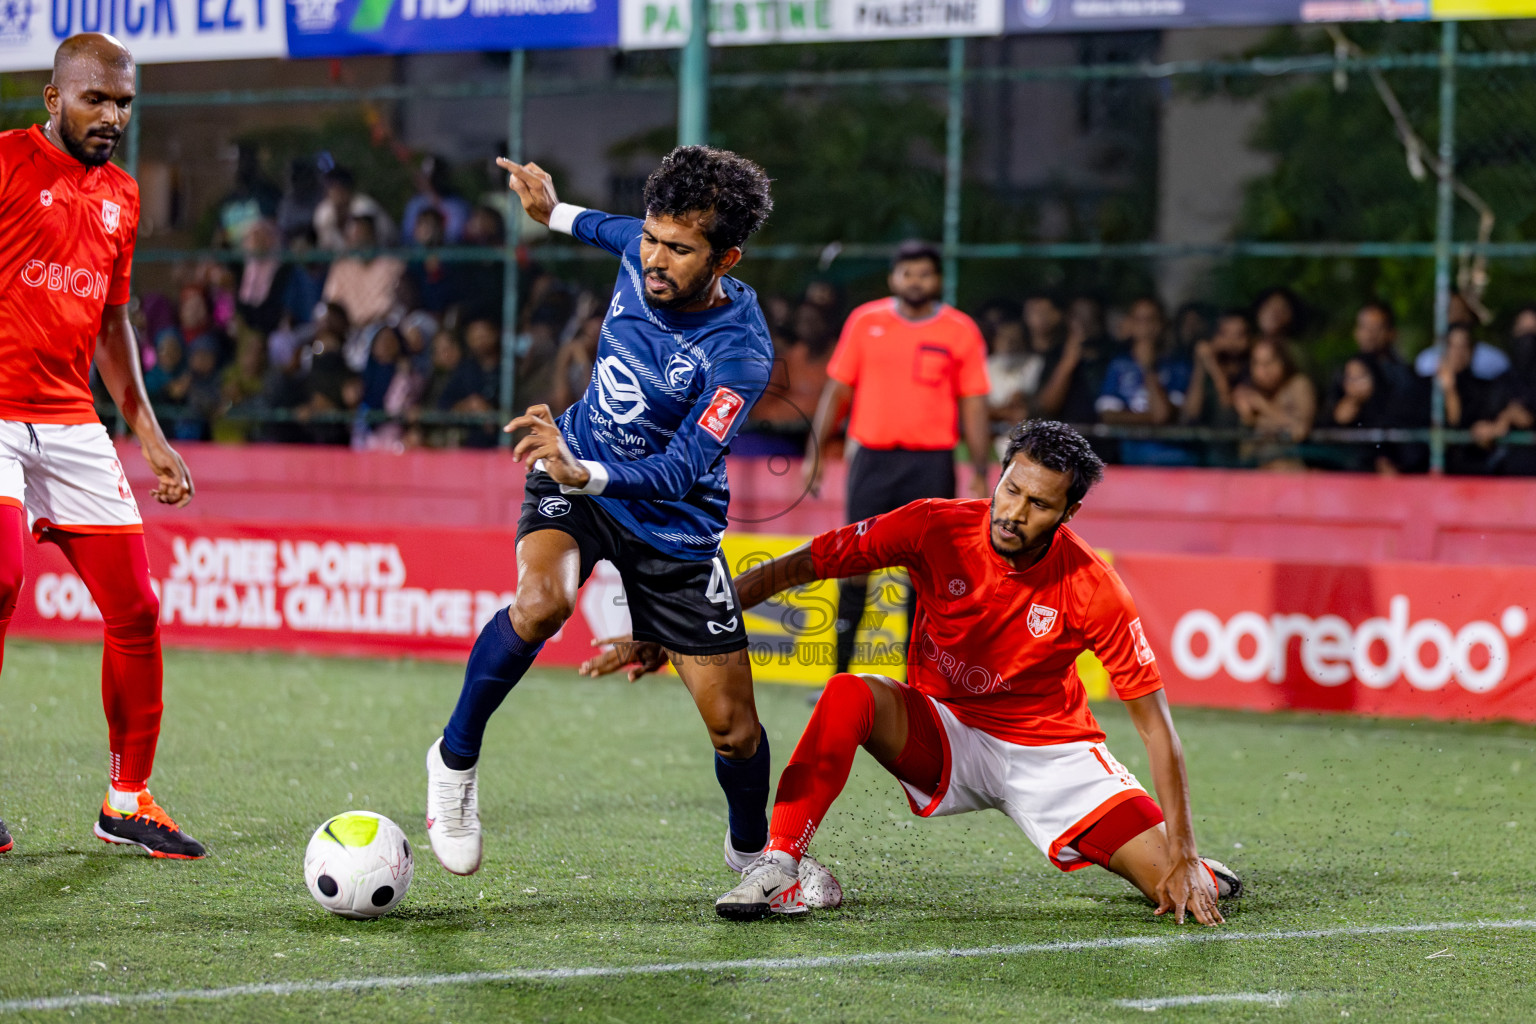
x=603, y=830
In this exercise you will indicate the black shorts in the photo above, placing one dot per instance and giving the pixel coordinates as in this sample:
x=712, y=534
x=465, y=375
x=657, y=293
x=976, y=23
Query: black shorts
x=882, y=480
x=687, y=606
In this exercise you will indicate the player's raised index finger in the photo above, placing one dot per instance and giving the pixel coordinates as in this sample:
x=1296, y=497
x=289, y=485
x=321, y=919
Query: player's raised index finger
x=518, y=179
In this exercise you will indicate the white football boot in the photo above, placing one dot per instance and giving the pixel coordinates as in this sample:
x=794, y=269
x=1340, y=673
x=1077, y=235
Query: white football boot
x=1228, y=885
x=770, y=885
x=453, y=814
x=818, y=888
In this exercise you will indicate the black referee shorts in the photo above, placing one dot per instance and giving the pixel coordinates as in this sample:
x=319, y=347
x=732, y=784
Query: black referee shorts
x=883, y=479
x=687, y=606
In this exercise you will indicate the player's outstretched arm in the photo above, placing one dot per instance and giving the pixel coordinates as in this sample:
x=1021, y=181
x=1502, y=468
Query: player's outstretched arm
x=763, y=580
x=117, y=360
x=1184, y=887
x=753, y=587
x=536, y=191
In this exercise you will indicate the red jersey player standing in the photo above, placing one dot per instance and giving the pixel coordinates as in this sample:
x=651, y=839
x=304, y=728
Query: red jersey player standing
x=68, y=221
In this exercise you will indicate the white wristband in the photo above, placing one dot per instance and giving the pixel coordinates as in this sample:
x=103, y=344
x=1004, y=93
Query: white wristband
x=597, y=479
x=563, y=217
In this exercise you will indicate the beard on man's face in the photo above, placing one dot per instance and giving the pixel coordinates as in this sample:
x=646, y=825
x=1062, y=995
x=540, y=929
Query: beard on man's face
x=1021, y=545
x=682, y=293
x=917, y=294
x=91, y=146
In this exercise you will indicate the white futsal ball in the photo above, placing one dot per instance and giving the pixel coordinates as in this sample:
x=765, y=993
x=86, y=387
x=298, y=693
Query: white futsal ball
x=358, y=865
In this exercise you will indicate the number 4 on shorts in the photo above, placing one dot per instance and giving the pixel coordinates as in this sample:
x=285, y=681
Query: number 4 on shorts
x=719, y=589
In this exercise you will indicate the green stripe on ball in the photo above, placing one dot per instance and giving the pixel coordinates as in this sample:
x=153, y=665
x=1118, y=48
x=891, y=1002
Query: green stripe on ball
x=352, y=828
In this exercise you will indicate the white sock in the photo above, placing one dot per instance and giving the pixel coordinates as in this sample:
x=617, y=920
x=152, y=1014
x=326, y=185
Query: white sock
x=122, y=802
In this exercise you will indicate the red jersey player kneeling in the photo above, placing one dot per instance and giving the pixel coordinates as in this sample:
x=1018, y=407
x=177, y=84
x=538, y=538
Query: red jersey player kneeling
x=994, y=715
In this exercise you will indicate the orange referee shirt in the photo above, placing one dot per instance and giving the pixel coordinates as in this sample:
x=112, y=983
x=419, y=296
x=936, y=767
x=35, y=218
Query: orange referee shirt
x=908, y=376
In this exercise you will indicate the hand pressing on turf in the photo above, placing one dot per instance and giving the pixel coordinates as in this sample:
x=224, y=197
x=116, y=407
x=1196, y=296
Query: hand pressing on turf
x=1187, y=888
x=545, y=442
x=622, y=652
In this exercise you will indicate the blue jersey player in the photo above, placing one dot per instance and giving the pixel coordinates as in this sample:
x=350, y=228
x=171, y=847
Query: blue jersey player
x=634, y=473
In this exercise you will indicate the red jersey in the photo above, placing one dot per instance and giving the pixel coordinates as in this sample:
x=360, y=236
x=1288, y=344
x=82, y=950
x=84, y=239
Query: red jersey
x=66, y=252
x=997, y=645
x=908, y=376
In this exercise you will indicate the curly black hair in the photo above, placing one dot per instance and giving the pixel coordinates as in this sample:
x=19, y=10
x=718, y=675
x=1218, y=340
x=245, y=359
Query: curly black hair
x=1058, y=448
x=733, y=189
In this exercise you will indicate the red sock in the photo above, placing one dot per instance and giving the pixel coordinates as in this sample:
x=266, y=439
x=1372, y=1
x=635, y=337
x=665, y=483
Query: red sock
x=819, y=767
x=115, y=568
x=1122, y=823
x=12, y=525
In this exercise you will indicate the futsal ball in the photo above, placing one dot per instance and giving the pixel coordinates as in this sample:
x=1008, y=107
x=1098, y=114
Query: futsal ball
x=358, y=865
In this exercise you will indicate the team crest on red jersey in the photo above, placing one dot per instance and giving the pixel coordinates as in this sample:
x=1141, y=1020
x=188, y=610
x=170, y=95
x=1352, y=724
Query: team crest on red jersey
x=110, y=213
x=1041, y=619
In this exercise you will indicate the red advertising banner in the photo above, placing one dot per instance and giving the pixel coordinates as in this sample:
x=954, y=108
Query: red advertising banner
x=363, y=591
x=400, y=591
x=1390, y=638
x=1395, y=638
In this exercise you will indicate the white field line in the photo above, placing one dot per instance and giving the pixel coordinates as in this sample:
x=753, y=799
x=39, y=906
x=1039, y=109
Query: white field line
x=1168, y=1002
x=843, y=960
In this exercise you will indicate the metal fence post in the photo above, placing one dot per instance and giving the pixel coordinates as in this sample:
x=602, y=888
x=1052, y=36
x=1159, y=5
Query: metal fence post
x=954, y=153
x=1444, y=229
x=693, y=80
x=509, y=281
x=131, y=142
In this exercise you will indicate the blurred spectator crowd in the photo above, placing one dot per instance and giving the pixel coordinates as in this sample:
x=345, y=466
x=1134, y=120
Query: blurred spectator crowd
x=316, y=336
x=1246, y=371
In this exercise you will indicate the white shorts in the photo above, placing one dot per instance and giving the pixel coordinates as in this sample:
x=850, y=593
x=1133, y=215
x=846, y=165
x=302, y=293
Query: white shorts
x=66, y=475
x=1054, y=793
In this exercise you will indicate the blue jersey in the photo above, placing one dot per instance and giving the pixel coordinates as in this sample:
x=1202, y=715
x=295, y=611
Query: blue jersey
x=668, y=392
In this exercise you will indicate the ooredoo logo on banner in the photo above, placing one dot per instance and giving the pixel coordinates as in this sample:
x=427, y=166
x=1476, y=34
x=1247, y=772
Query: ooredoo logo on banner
x=155, y=31
x=1405, y=639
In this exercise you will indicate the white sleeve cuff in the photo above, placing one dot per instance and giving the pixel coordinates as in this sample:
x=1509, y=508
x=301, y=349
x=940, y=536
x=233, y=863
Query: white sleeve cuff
x=563, y=217
x=597, y=480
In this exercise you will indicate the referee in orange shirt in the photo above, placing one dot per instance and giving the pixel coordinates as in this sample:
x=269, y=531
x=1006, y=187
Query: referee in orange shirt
x=915, y=372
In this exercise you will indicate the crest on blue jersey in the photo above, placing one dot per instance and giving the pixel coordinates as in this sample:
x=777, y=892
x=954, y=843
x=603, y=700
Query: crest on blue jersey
x=680, y=371
x=618, y=390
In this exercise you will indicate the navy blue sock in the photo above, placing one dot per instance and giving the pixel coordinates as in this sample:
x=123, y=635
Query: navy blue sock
x=496, y=663
x=746, y=795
